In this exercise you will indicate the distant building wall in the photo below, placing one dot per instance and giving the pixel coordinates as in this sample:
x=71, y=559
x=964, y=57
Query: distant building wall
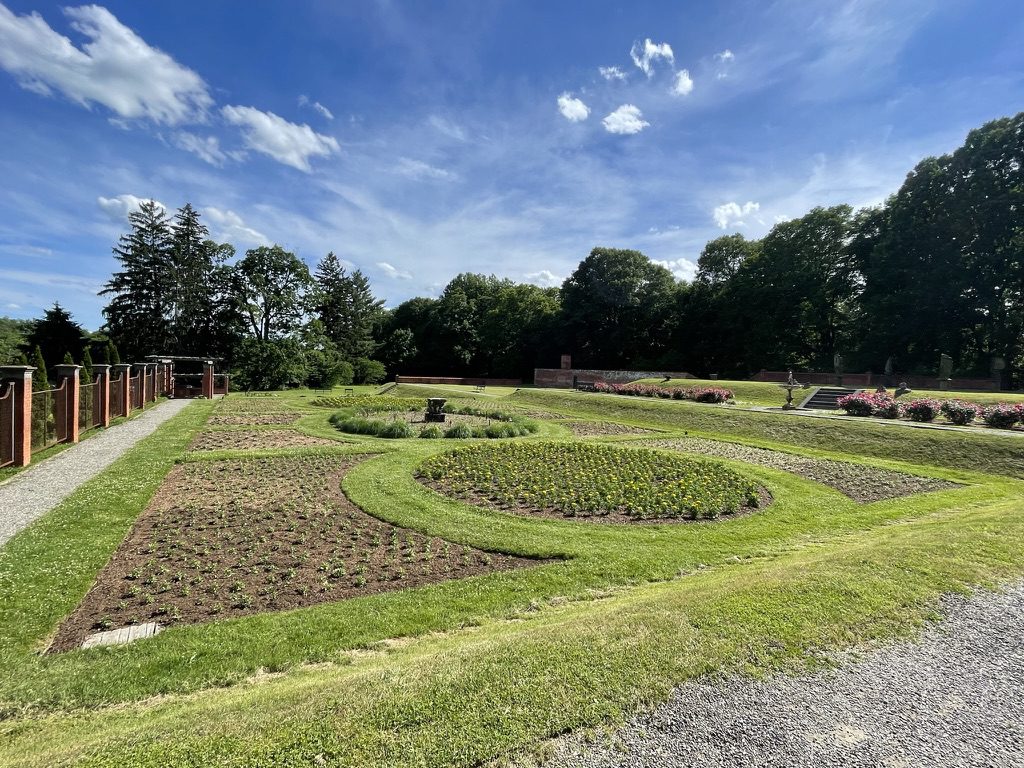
x=560, y=377
x=472, y=380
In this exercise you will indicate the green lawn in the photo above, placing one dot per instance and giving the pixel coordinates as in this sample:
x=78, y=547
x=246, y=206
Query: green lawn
x=462, y=672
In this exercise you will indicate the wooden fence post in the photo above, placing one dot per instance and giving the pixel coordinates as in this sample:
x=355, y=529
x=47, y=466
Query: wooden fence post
x=125, y=369
x=208, y=379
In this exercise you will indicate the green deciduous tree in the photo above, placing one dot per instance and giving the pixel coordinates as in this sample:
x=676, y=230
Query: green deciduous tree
x=269, y=287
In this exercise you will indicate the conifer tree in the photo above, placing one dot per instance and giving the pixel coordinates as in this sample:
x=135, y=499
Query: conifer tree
x=87, y=366
x=193, y=255
x=138, y=315
x=346, y=307
x=40, y=378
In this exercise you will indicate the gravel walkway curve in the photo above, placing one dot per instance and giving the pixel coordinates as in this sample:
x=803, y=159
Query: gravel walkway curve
x=35, y=491
x=953, y=697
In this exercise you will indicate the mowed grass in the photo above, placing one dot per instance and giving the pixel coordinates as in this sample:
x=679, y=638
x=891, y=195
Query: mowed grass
x=466, y=671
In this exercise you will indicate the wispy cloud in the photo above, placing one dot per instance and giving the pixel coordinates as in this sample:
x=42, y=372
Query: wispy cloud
x=645, y=55
x=116, y=68
x=393, y=272
x=286, y=142
x=681, y=269
x=229, y=226
x=612, y=73
x=119, y=206
x=419, y=170
x=206, y=148
x=304, y=101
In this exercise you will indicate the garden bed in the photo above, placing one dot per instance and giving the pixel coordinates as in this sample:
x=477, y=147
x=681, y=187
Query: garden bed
x=604, y=429
x=592, y=482
x=860, y=483
x=255, y=440
x=223, y=539
x=252, y=419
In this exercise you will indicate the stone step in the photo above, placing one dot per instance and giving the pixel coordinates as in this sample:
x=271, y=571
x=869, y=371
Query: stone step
x=824, y=398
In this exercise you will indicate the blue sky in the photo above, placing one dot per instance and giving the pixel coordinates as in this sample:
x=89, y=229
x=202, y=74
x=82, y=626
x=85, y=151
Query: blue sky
x=418, y=140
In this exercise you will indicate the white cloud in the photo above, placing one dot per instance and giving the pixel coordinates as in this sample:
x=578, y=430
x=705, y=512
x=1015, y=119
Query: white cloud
x=644, y=55
x=447, y=127
x=683, y=85
x=731, y=214
x=417, y=169
x=206, y=148
x=393, y=272
x=288, y=143
x=544, y=278
x=115, y=68
x=681, y=269
x=304, y=101
x=572, y=109
x=612, y=73
x=627, y=119
x=228, y=225
x=118, y=208
x=725, y=59
x=50, y=280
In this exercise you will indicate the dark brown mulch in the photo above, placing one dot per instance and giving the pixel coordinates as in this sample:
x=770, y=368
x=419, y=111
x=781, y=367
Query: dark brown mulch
x=617, y=518
x=255, y=440
x=252, y=419
x=859, y=482
x=223, y=539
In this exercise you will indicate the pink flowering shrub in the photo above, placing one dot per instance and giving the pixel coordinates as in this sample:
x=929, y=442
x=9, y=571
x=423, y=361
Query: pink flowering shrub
x=886, y=407
x=1002, y=416
x=697, y=394
x=923, y=409
x=858, y=404
x=959, y=412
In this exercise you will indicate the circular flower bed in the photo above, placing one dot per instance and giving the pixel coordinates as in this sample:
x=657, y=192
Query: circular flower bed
x=594, y=481
x=391, y=419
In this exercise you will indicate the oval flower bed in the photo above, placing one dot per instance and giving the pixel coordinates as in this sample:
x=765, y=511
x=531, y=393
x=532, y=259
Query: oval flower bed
x=461, y=423
x=590, y=481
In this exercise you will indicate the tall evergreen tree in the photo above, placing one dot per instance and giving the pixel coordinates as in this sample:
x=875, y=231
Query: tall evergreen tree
x=40, y=377
x=56, y=334
x=346, y=307
x=143, y=289
x=192, y=260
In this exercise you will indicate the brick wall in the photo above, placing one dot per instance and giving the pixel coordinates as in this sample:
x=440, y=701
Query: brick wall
x=474, y=381
x=558, y=377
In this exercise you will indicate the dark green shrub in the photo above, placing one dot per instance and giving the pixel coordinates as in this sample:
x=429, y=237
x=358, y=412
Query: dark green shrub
x=431, y=432
x=395, y=429
x=459, y=432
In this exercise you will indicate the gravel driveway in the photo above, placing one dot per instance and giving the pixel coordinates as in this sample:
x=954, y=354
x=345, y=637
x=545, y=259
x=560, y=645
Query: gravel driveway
x=954, y=697
x=35, y=491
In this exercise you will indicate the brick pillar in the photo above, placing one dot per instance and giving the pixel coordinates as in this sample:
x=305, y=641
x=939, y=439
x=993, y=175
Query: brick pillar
x=67, y=406
x=208, y=380
x=103, y=393
x=143, y=398
x=151, y=387
x=21, y=377
x=125, y=369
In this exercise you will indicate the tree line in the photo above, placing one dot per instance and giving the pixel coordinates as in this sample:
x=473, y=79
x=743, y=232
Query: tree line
x=938, y=268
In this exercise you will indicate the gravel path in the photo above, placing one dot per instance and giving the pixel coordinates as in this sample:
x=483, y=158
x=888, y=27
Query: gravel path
x=954, y=697
x=34, y=492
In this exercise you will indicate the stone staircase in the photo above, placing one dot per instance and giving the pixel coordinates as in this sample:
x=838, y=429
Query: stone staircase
x=824, y=398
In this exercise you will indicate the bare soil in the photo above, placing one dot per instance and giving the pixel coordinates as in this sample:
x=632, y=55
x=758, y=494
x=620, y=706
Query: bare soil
x=255, y=440
x=243, y=419
x=223, y=539
x=604, y=429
